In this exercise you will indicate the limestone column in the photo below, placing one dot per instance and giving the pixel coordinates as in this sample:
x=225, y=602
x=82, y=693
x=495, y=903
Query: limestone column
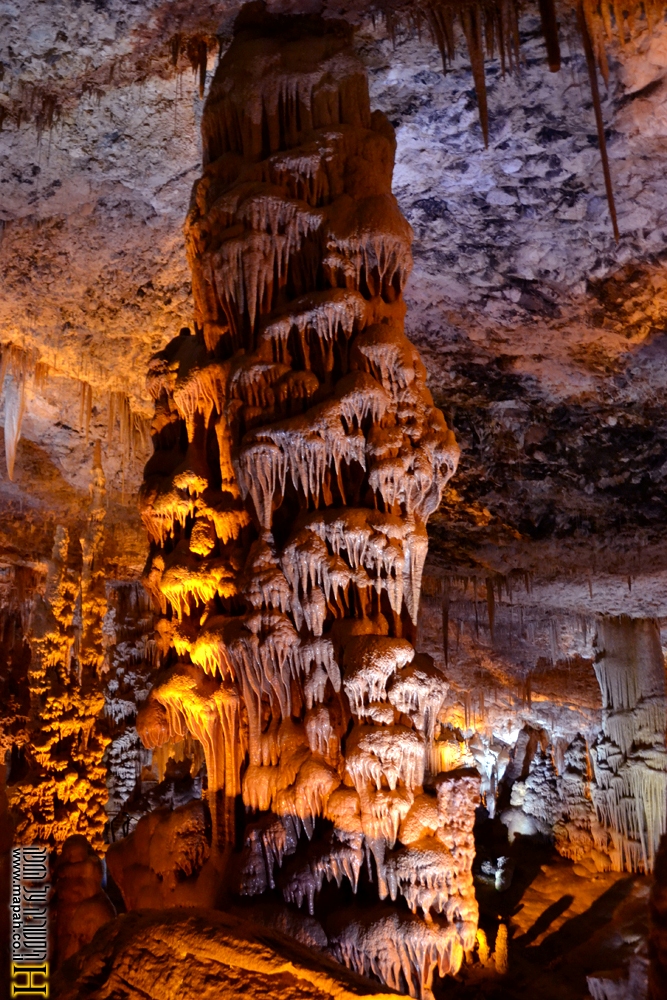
x=298, y=457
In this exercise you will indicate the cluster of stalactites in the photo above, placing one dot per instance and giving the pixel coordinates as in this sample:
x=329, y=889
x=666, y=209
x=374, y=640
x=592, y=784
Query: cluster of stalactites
x=298, y=456
x=608, y=801
x=64, y=791
x=275, y=88
x=629, y=758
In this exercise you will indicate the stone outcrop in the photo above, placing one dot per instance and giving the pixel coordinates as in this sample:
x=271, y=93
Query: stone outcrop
x=161, y=863
x=80, y=906
x=225, y=957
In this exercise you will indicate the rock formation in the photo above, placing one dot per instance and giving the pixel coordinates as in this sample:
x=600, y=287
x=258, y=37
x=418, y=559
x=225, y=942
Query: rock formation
x=298, y=456
x=608, y=800
x=630, y=756
x=331, y=709
x=129, y=654
x=64, y=791
x=157, y=866
x=80, y=904
x=226, y=957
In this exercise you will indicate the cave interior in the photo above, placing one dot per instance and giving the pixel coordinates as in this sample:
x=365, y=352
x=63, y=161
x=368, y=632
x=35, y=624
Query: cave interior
x=333, y=560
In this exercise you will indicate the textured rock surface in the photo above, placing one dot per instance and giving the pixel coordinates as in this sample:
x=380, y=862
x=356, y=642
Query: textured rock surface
x=297, y=459
x=542, y=338
x=224, y=957
x=491, y=301
x=80, y=905
x=160, y=863
x=64, y=790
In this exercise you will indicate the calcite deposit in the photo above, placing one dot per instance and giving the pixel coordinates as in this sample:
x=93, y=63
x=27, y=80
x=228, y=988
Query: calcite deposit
x=80, y=905
x=630, y=757
x=226, y=956
x=298, y=457
x=65, y=791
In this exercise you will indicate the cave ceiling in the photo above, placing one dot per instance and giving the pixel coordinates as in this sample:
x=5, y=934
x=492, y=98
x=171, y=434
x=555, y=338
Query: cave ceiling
x=542, y=335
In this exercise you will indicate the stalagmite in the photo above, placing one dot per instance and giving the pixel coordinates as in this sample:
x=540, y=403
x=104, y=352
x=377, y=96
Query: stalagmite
x=539, y=796
x=577, y=830
x=501, y=954
x=298, y=456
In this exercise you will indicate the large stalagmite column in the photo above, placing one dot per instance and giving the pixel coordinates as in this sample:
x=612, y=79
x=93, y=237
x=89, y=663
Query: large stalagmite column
x=298, y=456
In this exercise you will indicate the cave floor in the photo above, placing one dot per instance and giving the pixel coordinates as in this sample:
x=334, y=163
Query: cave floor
x=565, y=923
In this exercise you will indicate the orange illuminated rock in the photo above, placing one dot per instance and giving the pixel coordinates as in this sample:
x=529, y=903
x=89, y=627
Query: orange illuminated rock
x=64, y=790
x=219, y=956
x=81, y=906
x=158, y=865
x=298, y=456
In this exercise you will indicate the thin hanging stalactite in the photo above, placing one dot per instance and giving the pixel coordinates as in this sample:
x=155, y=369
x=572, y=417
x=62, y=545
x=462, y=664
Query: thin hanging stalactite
x=472, y=27
x=197, y=53
x=484, y=26
x=496, y=21
x=595, y=92
x=441, y=21
x=550, y=32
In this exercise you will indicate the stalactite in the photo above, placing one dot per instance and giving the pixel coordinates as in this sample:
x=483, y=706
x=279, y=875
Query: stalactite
x=85, y=408
x=16, y=366
x=197, y=51
x=484, y=25
x=131, y=427
x=193, y=49
x=298, y=456
x=470, y=18
x=595, y=93
x=14, y=410
x=400, y=949
x=629, y=758
x=490, y=604
x=550, y=32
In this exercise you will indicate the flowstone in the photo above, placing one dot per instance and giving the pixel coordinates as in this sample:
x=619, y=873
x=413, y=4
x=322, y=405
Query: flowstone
x=298, y=456
x=630, y=757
